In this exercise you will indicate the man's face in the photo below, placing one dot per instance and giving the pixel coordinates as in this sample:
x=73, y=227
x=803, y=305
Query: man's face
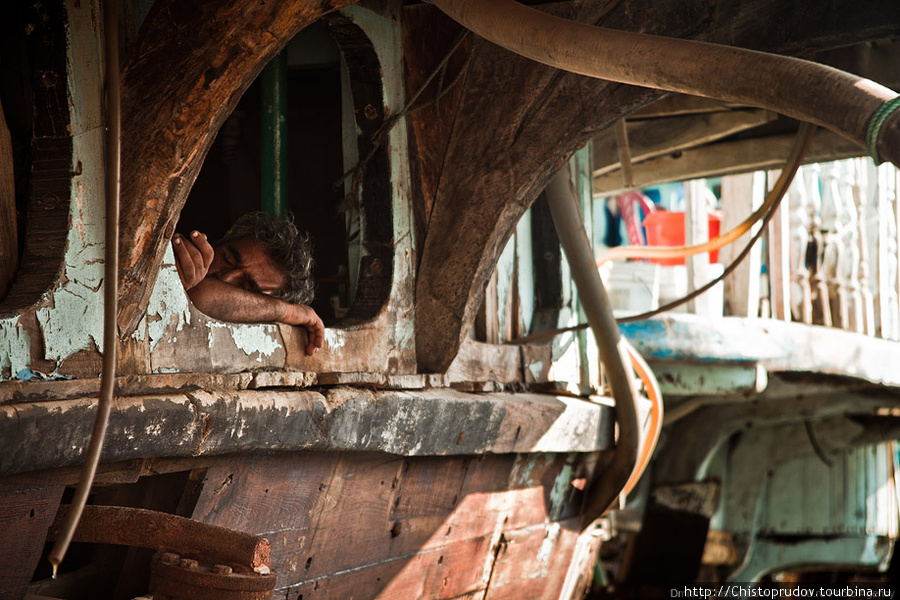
x=244, y=263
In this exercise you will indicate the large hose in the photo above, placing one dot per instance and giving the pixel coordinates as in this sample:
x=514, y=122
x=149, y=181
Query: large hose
x=110, y=283
x=857, y=108
x=605, y=486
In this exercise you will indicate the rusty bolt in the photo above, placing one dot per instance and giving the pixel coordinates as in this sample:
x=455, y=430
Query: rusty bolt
x=169, y=558
x=188, y=563
x=221, y=569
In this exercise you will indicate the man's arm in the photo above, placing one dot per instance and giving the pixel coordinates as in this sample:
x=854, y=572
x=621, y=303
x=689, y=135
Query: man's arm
x=229, y=303
x=220, y=300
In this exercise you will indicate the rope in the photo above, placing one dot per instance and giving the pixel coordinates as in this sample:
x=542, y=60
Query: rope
x=878, y=119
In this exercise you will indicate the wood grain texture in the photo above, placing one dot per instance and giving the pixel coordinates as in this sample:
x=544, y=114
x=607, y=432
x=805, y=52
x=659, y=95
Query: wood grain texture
x=29, y=507
x=373, y=525
x=9, y=239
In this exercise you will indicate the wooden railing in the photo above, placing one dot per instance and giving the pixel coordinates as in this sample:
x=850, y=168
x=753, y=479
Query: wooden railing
x=831, y=254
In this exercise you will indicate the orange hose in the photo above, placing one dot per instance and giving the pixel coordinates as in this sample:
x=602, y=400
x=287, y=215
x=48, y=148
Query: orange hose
x=651, y=385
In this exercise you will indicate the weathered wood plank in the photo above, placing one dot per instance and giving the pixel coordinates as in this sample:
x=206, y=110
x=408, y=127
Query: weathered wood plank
x=215, y=422
x=652, y=138
x=432, y=123
x=279, y=497
x=696, y=232
x=779, y=260
x=448, y=573
x=724, y=158
x=478, y=361
x=27, y=514
x=741, y=195
x=533, y=562
x=380, y=525
x=9, y=238
x=779, y=346
x=674, y=105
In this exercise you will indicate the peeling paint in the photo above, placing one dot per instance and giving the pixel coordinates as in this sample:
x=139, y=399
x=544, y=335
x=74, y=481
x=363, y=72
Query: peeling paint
x=559, y=491
x=261, y=340
x=536, y=368
x=14, y=347
x=169, y=304
x=74, y=323
x=334, y=339
x=29, y=375
x=545, y=553
x=72, y=319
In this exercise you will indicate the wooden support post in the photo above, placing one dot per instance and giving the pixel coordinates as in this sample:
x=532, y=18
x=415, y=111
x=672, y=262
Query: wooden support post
x=9, y=244
x=696, y=231
x=741, y=195
x=780, y=258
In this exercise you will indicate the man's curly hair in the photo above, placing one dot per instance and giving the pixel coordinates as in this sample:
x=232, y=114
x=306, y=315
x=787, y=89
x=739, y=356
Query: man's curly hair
x=290, y=250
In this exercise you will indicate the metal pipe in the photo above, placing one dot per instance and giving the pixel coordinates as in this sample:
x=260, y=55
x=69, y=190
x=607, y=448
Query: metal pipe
x=110, y=281
x=857, y=108
x=608, y=482
x=274, y=135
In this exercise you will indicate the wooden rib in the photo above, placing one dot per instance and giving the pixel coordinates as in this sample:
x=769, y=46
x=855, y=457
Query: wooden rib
x=680, y=104
x=726, y=158
x=649, y=139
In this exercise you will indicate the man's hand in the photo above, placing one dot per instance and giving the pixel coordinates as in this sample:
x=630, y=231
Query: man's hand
x=304, y=316
x=193, y=256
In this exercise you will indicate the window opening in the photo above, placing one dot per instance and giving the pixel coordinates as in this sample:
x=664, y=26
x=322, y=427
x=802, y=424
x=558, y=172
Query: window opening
x=328, y=96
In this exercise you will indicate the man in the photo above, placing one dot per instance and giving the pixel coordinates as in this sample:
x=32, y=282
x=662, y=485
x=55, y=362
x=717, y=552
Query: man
x=260, y=272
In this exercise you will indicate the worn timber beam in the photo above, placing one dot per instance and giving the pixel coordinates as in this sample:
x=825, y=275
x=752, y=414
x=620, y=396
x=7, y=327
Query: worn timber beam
x=518, y=121
x=725, y=158
x=652, y=138
x=675, y=105
x=431, y=422
x=184, y=76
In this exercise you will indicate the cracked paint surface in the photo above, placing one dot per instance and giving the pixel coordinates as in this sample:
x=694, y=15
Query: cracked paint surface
x=14, y=347
x=261, y=340
x=73, y=319
x=169, y=305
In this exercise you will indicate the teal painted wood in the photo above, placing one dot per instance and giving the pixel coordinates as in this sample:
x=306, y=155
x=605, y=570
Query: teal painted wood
x=776, y=345
x=839, y=513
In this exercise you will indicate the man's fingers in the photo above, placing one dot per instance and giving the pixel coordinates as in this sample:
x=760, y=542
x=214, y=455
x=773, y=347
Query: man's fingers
x=316, y=330
x=193, y=256
x=183, y=262
x=203, y=247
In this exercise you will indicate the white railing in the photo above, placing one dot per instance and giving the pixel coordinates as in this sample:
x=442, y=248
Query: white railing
x=842, y=248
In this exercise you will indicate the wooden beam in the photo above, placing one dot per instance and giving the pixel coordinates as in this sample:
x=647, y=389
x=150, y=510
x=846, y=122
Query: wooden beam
x=727, y=158
x=649, y=139
x=741, y=195
x=680, y=104
x=9, y=245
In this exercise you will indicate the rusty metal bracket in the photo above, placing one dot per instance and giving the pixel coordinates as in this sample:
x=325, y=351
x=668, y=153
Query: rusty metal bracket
x=176, y=578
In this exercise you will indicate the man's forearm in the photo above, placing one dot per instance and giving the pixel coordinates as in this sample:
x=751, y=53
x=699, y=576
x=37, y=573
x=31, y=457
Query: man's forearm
x=229, y=303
